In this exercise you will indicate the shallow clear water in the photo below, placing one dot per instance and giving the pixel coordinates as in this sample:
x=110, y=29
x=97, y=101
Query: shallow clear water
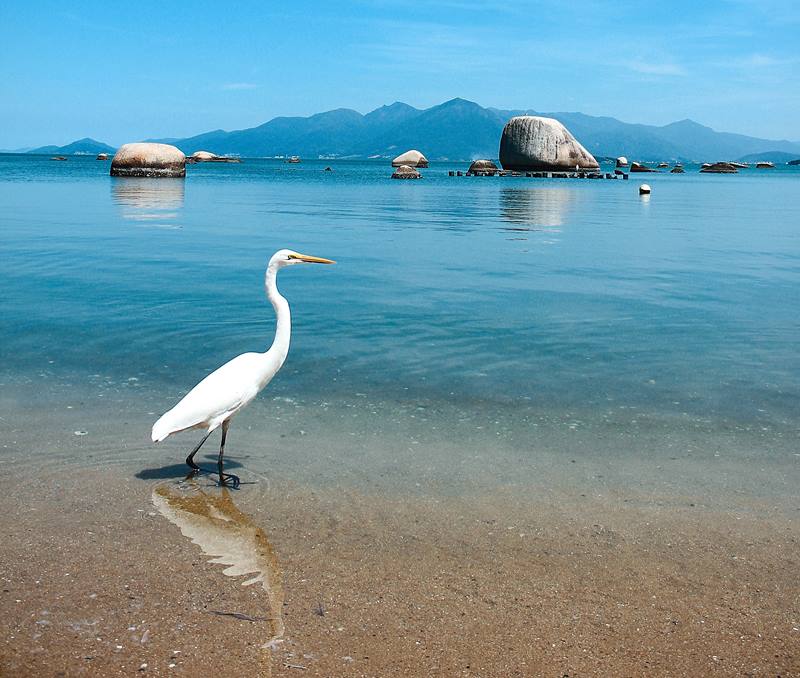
x=511, y=296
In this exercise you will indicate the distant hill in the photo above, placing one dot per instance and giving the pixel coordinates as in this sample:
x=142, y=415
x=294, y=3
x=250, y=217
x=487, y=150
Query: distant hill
x=85, y=146
x=778, y=157
x=456, y=130
x=462, y=130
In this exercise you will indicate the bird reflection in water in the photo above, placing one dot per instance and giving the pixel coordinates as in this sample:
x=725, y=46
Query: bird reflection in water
x=155, y=202
x=541, y=209
x=210, y=519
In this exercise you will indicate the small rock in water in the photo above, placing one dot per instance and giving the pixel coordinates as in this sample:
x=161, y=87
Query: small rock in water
x=81, y=433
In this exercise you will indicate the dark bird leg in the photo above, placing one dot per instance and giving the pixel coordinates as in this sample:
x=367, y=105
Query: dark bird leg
x=190, y=459
x=225, y=477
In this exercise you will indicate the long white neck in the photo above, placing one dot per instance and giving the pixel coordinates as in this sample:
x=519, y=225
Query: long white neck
x=283, y=328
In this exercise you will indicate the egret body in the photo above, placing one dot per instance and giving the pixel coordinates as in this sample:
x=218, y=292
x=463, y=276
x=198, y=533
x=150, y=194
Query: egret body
x=230, y=388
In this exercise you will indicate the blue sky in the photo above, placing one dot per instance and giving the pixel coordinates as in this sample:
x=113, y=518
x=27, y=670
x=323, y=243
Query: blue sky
x=125, y=71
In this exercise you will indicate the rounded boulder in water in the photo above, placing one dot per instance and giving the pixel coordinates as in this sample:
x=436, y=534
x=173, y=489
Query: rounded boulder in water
x=148, y=160
x=531, y=142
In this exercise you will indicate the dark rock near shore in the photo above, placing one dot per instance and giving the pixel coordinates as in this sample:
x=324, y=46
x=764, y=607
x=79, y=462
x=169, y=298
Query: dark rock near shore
x=148, y=160
x=637, y=167
x=719, y=168
x=531, y=142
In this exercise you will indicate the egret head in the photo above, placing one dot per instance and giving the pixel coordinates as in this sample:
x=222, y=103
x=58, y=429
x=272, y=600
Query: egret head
x=283, y=258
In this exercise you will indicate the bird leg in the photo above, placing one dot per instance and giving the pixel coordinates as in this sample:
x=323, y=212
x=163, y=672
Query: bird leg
x=190, y=459
x=225, y=477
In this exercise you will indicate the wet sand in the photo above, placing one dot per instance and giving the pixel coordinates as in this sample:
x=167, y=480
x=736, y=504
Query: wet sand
x=97, y=582
x=392, y=542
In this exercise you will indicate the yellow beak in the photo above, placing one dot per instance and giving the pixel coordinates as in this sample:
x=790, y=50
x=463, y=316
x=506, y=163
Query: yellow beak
x=311, y=260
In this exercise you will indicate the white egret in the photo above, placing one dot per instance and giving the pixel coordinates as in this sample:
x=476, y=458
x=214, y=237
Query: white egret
x=230, y=388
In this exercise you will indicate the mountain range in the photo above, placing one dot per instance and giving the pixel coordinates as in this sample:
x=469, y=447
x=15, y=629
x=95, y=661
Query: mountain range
x=85, y=146
x=456, y=130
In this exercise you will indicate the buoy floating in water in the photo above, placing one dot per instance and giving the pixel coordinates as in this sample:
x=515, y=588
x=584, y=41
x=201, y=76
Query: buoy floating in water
x=644, y=189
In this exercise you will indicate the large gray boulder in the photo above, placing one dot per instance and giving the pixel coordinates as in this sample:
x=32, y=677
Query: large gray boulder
x=531, y=142
x=148, y=160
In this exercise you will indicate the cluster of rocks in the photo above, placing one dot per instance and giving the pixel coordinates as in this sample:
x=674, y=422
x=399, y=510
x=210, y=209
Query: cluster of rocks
x=147, y=159
x=407, y=164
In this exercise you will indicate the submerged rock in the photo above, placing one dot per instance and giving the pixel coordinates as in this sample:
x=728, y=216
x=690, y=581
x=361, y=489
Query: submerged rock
x=531, y=142
x=148, y=160
x=482, y=168
x=678, y=169
x=410, y=159
x=406, y=172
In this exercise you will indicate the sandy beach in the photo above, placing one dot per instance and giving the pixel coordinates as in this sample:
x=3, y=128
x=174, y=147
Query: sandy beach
x=487, y=586
x=522, y=580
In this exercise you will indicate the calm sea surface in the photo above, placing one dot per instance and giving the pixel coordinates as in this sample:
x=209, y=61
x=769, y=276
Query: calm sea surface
x=508, y=295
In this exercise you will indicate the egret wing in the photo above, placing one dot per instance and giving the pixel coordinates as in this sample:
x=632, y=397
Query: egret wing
x=217, y=397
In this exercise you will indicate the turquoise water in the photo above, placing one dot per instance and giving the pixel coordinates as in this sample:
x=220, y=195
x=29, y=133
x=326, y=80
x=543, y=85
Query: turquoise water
x=567, y=291
x=487, y=294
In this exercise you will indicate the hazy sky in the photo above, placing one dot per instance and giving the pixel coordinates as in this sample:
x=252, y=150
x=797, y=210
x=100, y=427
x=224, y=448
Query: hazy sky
x=125, y=71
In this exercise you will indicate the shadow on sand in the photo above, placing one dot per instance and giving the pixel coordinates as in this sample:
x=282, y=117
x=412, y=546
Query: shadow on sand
x=181, y=470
